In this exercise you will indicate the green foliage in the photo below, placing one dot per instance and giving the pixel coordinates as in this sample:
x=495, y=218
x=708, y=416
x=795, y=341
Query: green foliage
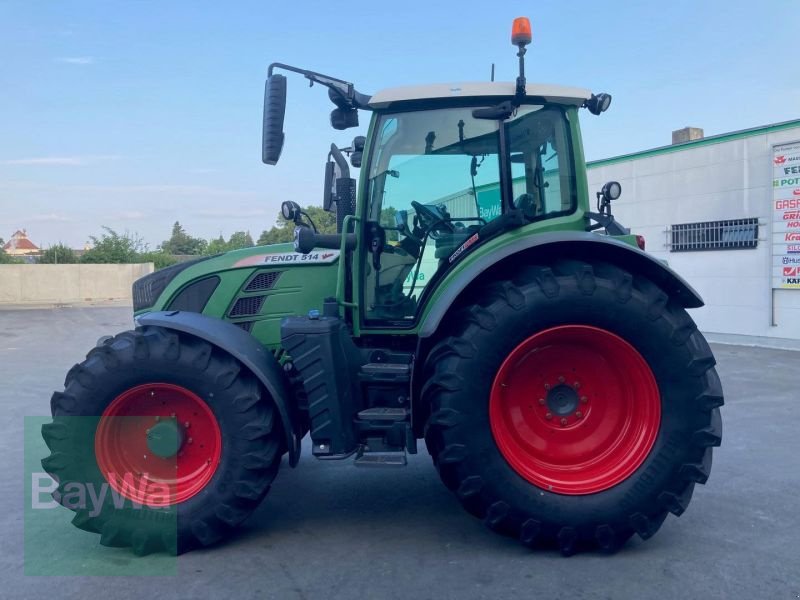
x=217, y=246
x=6, y=258
x=283, y=230
x=159, y=259
x=182, y=243
x=240, y=239
x=112, y=247
x=58, y=255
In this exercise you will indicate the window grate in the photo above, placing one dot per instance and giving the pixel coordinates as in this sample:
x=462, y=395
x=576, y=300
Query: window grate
x=247, y=306
x=246, y=325
x=731, y=234
x=263, y=281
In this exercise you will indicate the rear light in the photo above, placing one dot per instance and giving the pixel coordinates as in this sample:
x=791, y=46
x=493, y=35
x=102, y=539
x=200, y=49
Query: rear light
x=640, y=241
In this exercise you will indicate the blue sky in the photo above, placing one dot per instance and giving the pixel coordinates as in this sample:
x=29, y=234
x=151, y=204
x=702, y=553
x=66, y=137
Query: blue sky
x=137, y=114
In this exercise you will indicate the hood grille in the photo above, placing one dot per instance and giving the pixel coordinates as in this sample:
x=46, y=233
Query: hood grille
x=250, y=305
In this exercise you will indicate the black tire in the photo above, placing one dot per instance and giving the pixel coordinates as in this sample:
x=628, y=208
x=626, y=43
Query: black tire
x=460, y=369
x=252, y=440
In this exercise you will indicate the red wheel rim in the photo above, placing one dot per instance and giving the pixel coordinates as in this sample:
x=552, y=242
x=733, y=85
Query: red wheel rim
x=145, y=473
x=575, y=409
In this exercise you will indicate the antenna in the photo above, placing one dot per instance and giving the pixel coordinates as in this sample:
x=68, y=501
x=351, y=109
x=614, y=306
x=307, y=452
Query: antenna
x=492, y=79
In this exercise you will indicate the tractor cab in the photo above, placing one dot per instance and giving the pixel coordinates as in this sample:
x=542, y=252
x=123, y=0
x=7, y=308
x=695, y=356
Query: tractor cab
x=445, y=168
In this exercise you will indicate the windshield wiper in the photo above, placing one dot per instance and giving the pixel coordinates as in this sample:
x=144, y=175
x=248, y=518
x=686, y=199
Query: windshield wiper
x=500, y=112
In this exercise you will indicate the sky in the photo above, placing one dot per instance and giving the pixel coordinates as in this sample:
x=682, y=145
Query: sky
x=134, y=115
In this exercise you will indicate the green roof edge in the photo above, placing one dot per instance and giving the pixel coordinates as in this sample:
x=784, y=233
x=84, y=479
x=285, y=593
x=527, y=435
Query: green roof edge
x=714, y=139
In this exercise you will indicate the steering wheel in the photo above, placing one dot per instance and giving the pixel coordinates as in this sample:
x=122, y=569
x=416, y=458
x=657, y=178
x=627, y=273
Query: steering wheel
x=432, y=220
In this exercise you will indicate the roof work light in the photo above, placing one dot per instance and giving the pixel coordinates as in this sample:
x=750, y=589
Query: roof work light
x=521, y=32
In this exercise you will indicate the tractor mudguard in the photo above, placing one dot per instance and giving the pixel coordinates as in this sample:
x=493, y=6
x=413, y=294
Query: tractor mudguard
x=244, y=348
x=563, y=244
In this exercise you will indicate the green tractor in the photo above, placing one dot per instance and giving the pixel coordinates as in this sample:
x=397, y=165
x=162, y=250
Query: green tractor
x=472, y=298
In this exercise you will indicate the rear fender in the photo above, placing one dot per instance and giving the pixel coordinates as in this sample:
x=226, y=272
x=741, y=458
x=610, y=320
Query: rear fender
x=553, y=245
x=244, y=348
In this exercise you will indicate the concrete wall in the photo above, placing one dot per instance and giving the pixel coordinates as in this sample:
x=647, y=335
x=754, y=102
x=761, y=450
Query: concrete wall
x=66, y=284
x=707, y=182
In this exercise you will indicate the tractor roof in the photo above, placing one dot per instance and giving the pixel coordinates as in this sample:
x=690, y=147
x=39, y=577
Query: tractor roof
x=552, y=93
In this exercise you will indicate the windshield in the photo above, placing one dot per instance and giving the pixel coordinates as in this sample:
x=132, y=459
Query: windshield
x=434, y=180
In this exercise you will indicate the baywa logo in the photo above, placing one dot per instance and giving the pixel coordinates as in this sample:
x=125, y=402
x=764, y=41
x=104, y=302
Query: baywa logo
x=92, y=497
x=790, y=271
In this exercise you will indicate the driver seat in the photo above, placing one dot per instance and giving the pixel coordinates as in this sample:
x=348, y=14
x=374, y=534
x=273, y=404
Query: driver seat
x=447, y=243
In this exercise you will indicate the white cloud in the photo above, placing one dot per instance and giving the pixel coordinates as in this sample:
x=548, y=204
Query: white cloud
x=129, y=215
x=49, y=218
x=217, y=213
x=76, y=60
x=59, y=161
x=189, y=191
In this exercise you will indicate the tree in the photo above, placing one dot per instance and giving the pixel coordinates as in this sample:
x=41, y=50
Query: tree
x=6, y=258
x=217, y=246
x=158, y=258
x=240, y=239
x=283, y=230
x=58, y=255
x=111, y=247
x=182, y=243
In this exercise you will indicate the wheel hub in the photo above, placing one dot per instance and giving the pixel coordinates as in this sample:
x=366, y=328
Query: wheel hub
x=165, y=438
x=158, y=444
x=562, y=400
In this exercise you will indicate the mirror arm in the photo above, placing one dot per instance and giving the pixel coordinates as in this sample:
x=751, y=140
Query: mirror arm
x=352, y=98
x=608, y=222
x=341, y=161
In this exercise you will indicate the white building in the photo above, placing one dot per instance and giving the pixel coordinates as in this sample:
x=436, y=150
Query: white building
x=716, y=190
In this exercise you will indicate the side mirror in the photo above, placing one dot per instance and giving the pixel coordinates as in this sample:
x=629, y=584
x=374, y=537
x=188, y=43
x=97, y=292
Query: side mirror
x=330, y=183
x=611, y=191
x=274, y=112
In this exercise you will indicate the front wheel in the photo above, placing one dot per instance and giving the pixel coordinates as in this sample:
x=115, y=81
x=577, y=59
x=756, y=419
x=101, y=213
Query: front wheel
x=573, y=406
x=161, y=441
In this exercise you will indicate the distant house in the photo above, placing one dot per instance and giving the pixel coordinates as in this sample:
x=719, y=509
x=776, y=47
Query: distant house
x=20, y=245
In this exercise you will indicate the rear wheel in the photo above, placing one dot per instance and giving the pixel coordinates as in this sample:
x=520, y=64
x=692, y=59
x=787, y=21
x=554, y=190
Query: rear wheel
x=169, y=437
x=573, y=406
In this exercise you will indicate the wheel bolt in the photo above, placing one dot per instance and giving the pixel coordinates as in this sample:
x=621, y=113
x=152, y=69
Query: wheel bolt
x=547, y=386
x=548, y=416
x=563, y=421
x=584, y=399
x=576, y=385
x=541, y=400
x=561, y=379
x=186, y=424
x=189, y=441
x=578, y=414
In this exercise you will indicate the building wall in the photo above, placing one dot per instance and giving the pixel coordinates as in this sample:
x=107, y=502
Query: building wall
x=67, y=284
x=705, y=181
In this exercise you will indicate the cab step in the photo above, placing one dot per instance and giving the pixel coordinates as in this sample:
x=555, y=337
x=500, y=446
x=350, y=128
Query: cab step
x=382, y=458
x=383, y=413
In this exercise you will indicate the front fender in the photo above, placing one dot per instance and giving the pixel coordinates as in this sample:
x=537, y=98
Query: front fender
x=553, y=245
x=244, y=348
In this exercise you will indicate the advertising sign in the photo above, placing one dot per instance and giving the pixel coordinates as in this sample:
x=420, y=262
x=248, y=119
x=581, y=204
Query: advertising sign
x=786, y=216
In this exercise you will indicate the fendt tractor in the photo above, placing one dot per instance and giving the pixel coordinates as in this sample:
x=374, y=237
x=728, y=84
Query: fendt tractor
x=476, y=296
